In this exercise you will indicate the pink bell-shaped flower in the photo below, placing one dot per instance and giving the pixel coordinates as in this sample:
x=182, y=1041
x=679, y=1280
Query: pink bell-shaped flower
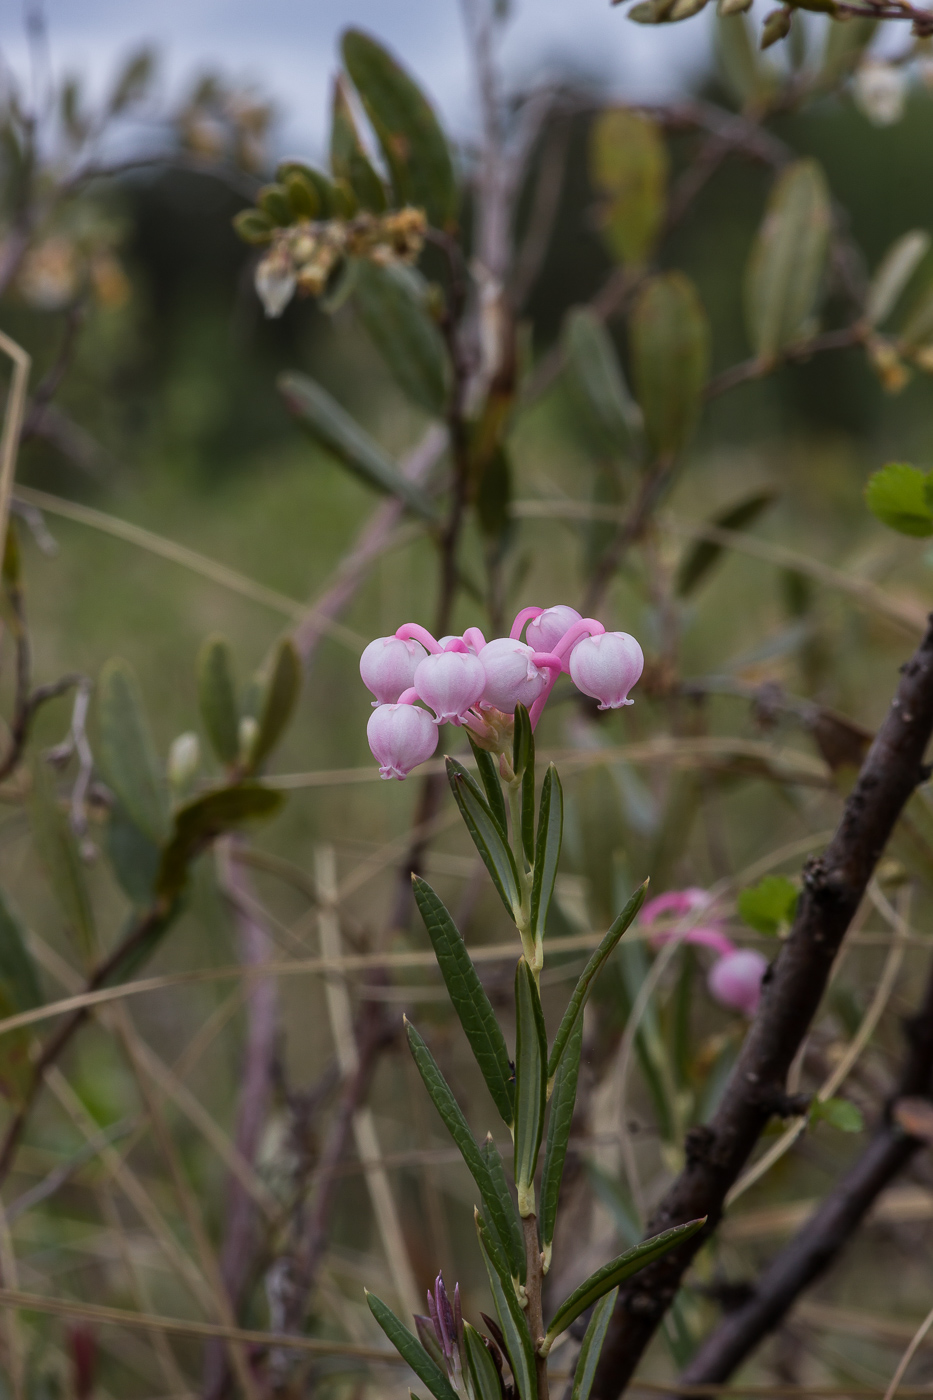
x=387, y=667
x=544, y=632
x=512, y=678
x=450, y=683
x=401, y=737
x=735, y=980
x=606, y=667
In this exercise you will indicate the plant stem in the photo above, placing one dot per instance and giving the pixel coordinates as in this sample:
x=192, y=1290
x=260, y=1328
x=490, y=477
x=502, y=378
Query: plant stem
x=523, y=915
x=534, y=1275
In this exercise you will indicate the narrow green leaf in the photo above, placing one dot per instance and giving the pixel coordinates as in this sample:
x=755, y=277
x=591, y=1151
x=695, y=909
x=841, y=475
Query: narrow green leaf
x=563, y=1098
x=486, y=835
x=410, y=1349
x=425, y=1330
x=470, y=1001
x=512, y=1320
x=199, y=822
x=523, y=766
x=412, y=141
x=629, y=166
x=530, y=1084
x=489, y=775
x=613, y=1273
x=134, y=856
x=459, y=1129
x=786, y=263
x=217, y=697
x=597, y=383
x=17, y=969
x=280, y=691
x=127, y=750
x=547, y=850
x=482, y=1367
x=347, y=157
x=582, y=990
x=58, y=851
x=897, y=267
x=898, y=496
x=704, y=554
x=391, y=303
x=592, y=1345
x=670, y=358
x=334, y=428
x=494, y=1165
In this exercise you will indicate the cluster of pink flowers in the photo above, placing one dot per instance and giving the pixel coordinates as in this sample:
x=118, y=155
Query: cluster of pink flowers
x=467, y=680
x=734, y=979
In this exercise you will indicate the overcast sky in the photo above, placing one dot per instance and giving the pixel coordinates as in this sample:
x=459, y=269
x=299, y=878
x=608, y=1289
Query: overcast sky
x=288, y=47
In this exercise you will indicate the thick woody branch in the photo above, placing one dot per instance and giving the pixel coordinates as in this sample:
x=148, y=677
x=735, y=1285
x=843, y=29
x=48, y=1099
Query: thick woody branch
x=834, y=885
x=831, y=1227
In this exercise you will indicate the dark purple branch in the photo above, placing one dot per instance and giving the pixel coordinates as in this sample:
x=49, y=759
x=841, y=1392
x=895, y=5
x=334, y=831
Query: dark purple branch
x=834, y=885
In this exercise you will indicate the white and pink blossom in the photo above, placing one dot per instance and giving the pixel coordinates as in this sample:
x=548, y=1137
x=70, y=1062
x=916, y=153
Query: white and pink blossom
x=387, y=667
x=450, y=683
x=512, y=678
x=401, y=736
x=606, y=666
x=735, y=980
x=546, y=630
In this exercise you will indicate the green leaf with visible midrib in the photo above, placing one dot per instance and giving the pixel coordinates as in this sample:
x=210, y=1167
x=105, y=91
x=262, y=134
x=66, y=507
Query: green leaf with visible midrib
x=489, y=775
x=587, y=976
x=470, y=1001
x=558, y=1131
x=523, y=766
x=786, y=263
x=518, y=1342
x=547, y=849
x=482, y=1367
x=530, y=1084
x=487, y=838
x=591, y=1347
x=493, y=1160
x=459, y=1129
x=408, y=1347
x=615, y=1272
x=335, y=429
x=669, y=338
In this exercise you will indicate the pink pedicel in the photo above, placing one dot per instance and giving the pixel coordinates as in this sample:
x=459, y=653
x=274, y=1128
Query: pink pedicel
x=387, y=667
x=401, y=737
x=735, y=980
x=450, y=683
x=546, y=630
x=676, y=902
x=606, y=667
x=512, y=678
x=708, y=937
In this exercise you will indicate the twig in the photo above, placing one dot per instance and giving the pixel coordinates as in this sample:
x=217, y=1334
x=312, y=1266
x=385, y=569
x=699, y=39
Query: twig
x=12, y=425
x=843, y=339
x=915, y=1342
x=834, y=885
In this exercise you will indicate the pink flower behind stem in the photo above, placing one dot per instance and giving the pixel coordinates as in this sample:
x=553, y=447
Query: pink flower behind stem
x=450, y=683
x=545, y=631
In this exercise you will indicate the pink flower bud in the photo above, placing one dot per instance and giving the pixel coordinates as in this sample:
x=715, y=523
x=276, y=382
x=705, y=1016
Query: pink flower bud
x=401, y=737
x=544, y=632
x=450, y=683
x=388, y=667
x=606, y=667
x=512, y=677
x=735, y=980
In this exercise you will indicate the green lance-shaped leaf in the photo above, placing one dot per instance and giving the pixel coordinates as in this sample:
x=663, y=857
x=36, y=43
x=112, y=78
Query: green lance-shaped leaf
x=563, y=1098
x=134, y=856
x=58, y=851
x=530, y=1084
x=279, y=696
x=547, y=850
x=785, y=268
x=614, y=1273
x=588, y=976
x=523, y=766
x=410, y=1349
x=199, y=822
x=704, y=554
x=128, y=753
x=898, y=495
x=897, y=267
x=391, y=303
x=670, y=357
x=347, y=158
x=459, y=1129
x=486, y=1384
x=592, y=1346
x=489, y=776
x=218, y=698
x=597, y=383
x=496, y=1168
x=512, y=1320
x=412, y=141
x=470, y=1001
x=628, y=166
x=486, y=834
x=334, y=428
